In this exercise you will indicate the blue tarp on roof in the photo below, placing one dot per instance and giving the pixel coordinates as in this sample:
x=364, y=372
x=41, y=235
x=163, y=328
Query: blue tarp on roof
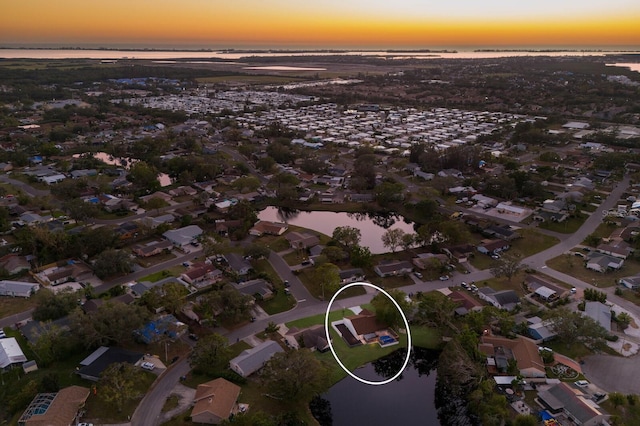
x=544, y=415
x=158, y=328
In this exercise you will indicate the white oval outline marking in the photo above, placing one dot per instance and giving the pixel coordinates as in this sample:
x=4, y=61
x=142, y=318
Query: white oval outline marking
x=328, y=334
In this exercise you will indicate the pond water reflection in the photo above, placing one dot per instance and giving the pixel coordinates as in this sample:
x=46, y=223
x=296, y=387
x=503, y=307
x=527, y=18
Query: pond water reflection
x=125, y=162
x=409, y=400
x=371, y=226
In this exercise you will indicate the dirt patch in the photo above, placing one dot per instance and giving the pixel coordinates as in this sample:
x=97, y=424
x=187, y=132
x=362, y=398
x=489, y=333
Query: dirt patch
x=633, y=324
x=626, y=347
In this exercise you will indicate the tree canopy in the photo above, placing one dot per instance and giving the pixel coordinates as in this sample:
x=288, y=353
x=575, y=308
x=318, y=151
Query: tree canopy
x=295, y=375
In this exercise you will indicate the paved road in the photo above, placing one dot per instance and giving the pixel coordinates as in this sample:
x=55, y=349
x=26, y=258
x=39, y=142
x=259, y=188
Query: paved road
x=25, y=187
x=613, y=373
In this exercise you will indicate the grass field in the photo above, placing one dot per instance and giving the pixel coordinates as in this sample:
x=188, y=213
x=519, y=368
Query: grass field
x=160, y=275
x=279, y=303
x=532, y=242
x=574, y=266
x=14, y=305
x=569, y=226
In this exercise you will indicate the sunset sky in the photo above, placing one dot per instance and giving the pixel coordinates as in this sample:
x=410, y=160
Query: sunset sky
x=322, y=24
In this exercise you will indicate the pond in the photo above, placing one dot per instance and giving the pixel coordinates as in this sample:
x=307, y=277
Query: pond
x=409, y=400
x=126, y=163
x=371, y=226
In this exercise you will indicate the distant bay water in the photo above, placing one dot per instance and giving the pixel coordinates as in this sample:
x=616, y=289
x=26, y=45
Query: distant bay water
x=227, y=55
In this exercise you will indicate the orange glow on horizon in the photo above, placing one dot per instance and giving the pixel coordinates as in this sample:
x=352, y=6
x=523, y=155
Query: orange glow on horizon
x=210, y=23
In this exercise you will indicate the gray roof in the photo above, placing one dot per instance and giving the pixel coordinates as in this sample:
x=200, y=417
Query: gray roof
x=252, y=287
x=237, y=263
x=599, y=312
x=251, y=360
x=184, y=235
x=565, y=396
x=17, y=288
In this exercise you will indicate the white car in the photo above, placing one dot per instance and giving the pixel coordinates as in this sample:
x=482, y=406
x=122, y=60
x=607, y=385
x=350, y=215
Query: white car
x=582, y=383
x=148, y=366
x=444, y=278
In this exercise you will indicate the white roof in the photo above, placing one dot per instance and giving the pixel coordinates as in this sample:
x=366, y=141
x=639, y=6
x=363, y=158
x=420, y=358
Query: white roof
x=545, y=292
x=10, y=352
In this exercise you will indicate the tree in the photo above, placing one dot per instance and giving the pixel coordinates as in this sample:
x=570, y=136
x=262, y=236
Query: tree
x=435, y=310
x=574, y=327
x=388, y=193
x=246, y=184
x=623, y=319
x=144, y=176
x=80, y=210
x=231, y=305
x=617, y=399
x=172, y=295
x=257, y=251
x=211, y=354
x=347, y=236
x=508, y=266
x=334, y=254
x=111, y=262
x=53, y=343
x=361, y=257
x=295, y=375
x=392, y=238
x=51, y=306
x=408, y=240
x=387, y=312
x=327, y=276
x=113, y=323
x=118, y=383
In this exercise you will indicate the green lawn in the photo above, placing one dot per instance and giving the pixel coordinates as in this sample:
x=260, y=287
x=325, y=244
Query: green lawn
x=319, y=319
x=631, y=295
x=160, y=275
x=295, y=257
x=603, y=230
x=13, y=305
x=482, y=261
x=569, y=226
x=307, y=278
x=279, y=303
x=532, y=242
x=574, y=266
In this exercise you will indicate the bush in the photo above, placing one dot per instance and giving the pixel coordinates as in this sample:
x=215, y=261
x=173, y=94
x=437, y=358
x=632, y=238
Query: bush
x=612, y=338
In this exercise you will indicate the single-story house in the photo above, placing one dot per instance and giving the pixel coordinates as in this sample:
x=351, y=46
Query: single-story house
x=154, y=222
x=534, y=282
x=263, y=227
x=200, y=273
x=302, y=240
x=11, y=353
x=313, y=338
x=18, y=288
x=92, y=305
x=351, y=275
x=620, y=249
x=547, y=216
x=562, y=398
x=159, y=328
x=215, y=401
x=238, y=264
x=503, y=299
x=505, y=208
x=127, y=230
x=92, y=366
x=258, y=287
x=152, y=248
x=500, y=350
x=490, y=247
x=631, y=282
x=365, y=326
x=158, y=194
x=59, y=408
x=501, y=232
x=32, y=330
x=182, y=236
x=603, y=262
x=545, y=293
x=465, y=301
x=540, y=330
x=599, y=312
x=461, y=252
x=251, y=360
x=392, y=268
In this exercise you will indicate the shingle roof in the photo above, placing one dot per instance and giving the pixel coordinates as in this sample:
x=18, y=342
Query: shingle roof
x=217, y=396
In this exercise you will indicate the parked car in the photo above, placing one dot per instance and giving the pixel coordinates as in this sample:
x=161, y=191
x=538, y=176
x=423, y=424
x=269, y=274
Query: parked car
x=464, y=285
x=286, y=283
x=495, y=256
x=581, y=383
x=148, y=366
x=193, y=336
x=444, y=278
x=473, y=287
x=418, y=275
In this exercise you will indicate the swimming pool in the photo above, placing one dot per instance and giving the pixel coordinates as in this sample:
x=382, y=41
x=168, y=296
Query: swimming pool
x=385, y=340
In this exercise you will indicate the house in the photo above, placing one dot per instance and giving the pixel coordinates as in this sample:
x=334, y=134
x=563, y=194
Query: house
x=215, y=401
x=253, y=288
x=201, y=273
x=620, y=249
x=251, y=360
x=460, y=253
x=93, y=305
x=599, y=312
x=33, y=330
x=505, y=208
x=500, y=351
x=351, y=275
x=313, y=338
x=158, y=194
x=503, y=299
x=546, y=216
x=562, y=398
x=501, y=232
x=182, y=190
x=238, y=264
x=603, y=262
x=490, y=247
x=465, y=302
x=165, y=326
x=393, y=268
x=127, y=230
x=223, y=227
x=534, y=282
x=539, y=330
x=152, y=248
x=92, y=366
x=10, y=353
x=263, y=227
x=58, y=408
x=18, y=288
x=365, y=326
x=183, y=236
x=631, y=282
x=154, y=222
x=302, y=240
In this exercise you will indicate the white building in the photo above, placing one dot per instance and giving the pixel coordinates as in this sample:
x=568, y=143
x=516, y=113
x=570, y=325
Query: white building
x=10, y=353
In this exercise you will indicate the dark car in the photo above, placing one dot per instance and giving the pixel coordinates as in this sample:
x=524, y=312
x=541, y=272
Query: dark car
x=286, y=283
x=193, y=336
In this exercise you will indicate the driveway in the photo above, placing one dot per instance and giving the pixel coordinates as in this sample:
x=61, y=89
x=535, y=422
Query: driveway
x=613, y=374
